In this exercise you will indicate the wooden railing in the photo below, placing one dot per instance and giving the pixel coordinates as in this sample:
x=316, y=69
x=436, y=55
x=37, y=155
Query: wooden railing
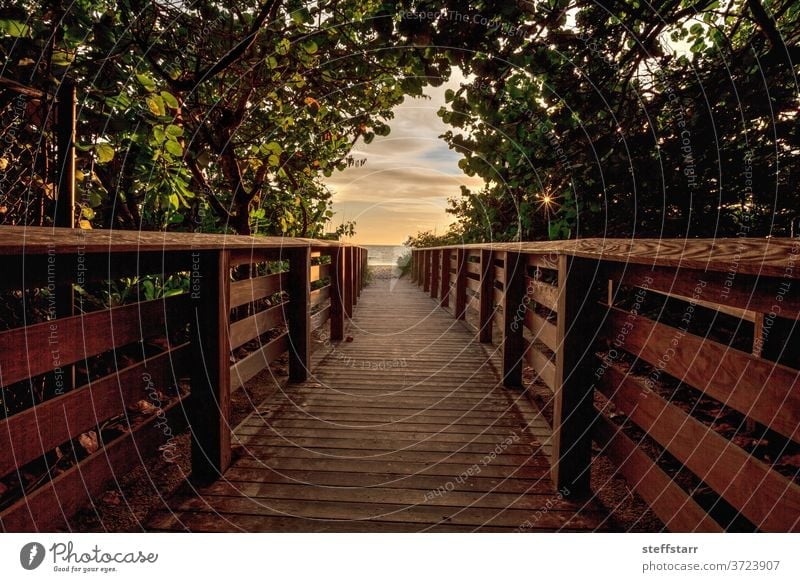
x=639, y=331
x=90, y=391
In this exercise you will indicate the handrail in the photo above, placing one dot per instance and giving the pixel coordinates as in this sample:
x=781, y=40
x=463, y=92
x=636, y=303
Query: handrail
x=580, y=313
x=231, y=303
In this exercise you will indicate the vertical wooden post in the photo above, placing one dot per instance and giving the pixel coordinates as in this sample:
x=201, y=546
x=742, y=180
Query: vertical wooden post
x=65, y=143
x=298, y=313
x=435, y=271
x=573, y=408
x=486, y=298
x=426, y=271
x=514, y=308
x=337, y=297
x=444, y=278
x=348, y=281
x=364, y=264
x=209, y=402
x=461, y=284
x=413, y=266
x=356, y=275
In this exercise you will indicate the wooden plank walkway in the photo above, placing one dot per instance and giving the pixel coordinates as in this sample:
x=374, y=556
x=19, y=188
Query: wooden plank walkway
x=405, y=428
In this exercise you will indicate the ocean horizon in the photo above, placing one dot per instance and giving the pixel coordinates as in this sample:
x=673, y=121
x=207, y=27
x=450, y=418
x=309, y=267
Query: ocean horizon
x=384, y=255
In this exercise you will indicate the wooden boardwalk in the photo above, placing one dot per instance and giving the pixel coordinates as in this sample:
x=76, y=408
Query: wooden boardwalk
x=405, y=428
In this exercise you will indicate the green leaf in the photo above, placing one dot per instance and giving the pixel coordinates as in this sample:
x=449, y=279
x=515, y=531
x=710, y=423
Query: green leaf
x=14, y=28
x=156, y=105
x=283, y=47
x=174, y=130
x=310, y=47
x=146, y=81
x=169, y=99
x=105, y=153
x=173, y=147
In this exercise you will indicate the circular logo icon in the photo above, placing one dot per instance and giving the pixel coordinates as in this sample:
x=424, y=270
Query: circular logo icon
x=31, y=555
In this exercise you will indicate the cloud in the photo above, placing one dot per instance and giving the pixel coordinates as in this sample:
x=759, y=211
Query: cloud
x=407, y=178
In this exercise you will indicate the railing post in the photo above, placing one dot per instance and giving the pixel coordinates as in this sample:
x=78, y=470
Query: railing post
x=298, y=314
x=573, y=408
x=486, y=297
x=444, y=278
x=209, y=408
x=413, y=266
x=337, y=299
x=461, y=284
x=356, y=275
x=348, y=281
x=514, y=308
x=426, y=271
x=435, y=270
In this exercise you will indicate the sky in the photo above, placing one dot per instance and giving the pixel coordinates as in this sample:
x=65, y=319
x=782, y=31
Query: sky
x=409, y=175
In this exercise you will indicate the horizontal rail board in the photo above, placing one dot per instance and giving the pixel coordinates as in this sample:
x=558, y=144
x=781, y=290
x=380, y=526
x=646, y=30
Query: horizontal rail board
x=250, y=328
x=38, y=430
x=472, y=284
x=543, y=293
x=45, y=508
x=321, y=317
x=678, y=511
x=765, y=391
x=765, y=497
x=543, y=261
x=542, y=330
x=246, y=368
x=29, y=351
x=748, y=292
x=474, y=268
x=318, y=272
x=320, y=295
x=543, y=366
x=249, y=290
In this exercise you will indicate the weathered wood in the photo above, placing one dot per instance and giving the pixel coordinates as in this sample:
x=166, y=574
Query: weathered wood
x=253, y=363
x=320, y=295
x=319, y=272
x=435, y=272
x=349, y=278
x=739, y=290
x=765, y=497
x=473, y=268
x=346, y=447
x=486, y=309
x=460, y=285
x=542, y=330
x=572, y=408
x=36, y=349
x=542, y=293
x=444, y=279
x=209, y=403
x=298, y=314
x=65, y=144
x=256, y=325
x=337, y=294
x=678, y=511
x=514, y=308
x=320, y=318
x=761, y=389
x=543, y=366
x=253, y=289
x=38, y=430
x=46, y=508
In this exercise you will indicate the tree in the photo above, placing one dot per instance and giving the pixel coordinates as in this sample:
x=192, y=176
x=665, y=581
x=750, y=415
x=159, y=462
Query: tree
x=217, y=114
x=667, y=118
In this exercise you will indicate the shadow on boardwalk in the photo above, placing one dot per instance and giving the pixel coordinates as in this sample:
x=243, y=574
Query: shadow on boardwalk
x=405, y=428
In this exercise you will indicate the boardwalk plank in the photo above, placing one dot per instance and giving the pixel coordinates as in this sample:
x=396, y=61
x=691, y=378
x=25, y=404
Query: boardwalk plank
x=405, y=428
